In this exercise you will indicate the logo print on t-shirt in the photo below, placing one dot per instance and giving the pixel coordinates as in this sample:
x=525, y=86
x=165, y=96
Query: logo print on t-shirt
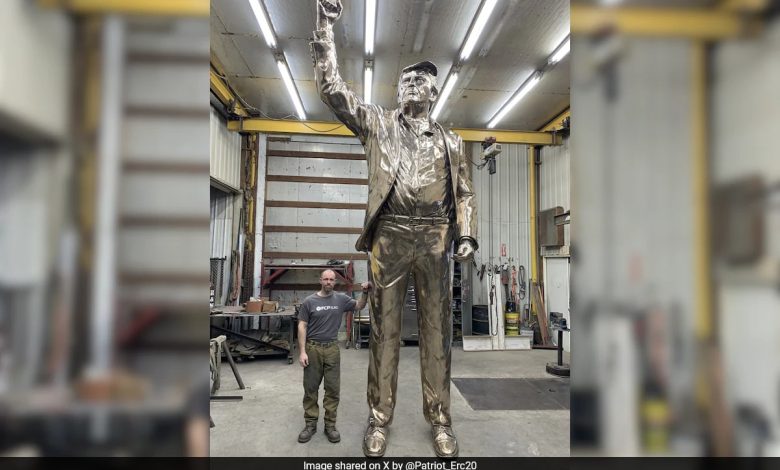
x=326, y=307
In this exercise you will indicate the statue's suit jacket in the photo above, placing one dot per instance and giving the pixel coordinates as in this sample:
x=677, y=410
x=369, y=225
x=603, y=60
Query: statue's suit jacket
x=379, y=131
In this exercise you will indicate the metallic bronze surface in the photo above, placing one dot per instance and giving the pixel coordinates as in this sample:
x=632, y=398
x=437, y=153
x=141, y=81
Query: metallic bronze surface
x=420, y=200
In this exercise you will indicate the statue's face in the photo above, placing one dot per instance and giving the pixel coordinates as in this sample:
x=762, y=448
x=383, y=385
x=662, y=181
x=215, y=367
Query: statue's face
x=417, y=86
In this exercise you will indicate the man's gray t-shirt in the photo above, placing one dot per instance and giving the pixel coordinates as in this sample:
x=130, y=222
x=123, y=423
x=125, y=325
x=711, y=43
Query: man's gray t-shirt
x=323, y=315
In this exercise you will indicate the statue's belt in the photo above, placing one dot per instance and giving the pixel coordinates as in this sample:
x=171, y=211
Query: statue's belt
x=415, y=220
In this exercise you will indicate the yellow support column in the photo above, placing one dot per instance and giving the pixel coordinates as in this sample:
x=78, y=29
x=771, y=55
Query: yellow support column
x=532, y=217
x=701, y=206
x=709, y=374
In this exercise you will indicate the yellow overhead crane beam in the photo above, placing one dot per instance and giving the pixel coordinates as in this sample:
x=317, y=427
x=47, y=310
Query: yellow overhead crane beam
x=274, y=126
x=744, y=6
x=225, y=94
x=556, y=122
x=198, y=8
x=693, y=23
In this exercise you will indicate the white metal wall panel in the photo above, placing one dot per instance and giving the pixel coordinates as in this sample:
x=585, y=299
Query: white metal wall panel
x=510, y=223
x=316, y=143
x=162, y=195
x=313, y=192
x=179, y=140
x=35, y=67
x=24, y=216
x=311, y=242
x=162, y=139
x=317, y=167
x=221, y=221
x=225, y=155
x=143, y=81
x=555, y=180
x=153, y=250
x=317, y=192
x=745, y=113
x=302, y=216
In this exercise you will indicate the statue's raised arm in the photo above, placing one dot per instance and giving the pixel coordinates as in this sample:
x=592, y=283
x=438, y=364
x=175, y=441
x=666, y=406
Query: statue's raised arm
x=334, y=91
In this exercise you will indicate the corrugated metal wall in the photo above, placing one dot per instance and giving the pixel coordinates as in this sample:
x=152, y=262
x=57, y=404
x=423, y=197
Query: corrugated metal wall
x=313, y=192
x=223, y=237
x=34, y=223
x=221, y=221
x=555, y=180
x=508, y=223
x=745, y=109
x=225, y=154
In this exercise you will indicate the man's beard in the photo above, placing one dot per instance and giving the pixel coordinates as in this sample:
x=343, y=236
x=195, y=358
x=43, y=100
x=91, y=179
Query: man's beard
x=327, y=289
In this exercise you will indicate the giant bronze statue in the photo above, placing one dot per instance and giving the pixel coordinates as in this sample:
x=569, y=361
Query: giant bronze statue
x=420, y=200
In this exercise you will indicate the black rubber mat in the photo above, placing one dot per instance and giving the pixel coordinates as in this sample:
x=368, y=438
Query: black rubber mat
x=514, y=394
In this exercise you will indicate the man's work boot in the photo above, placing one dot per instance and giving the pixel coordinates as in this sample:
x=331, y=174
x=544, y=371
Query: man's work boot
x=375, y=440
x=444, y=443
x=332, y=433
x=307, y=433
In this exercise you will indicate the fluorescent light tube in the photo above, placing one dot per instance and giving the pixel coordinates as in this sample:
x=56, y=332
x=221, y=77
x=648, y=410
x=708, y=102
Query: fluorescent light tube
x=264, y=22
x=370, y=26
x=561, y=52
x=445, y=93
x=368, y=81
x=519, y=94
x=476, y=30
x=288, y=81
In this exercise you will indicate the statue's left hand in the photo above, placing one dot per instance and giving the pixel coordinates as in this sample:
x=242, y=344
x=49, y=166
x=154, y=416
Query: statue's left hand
x=465, y=251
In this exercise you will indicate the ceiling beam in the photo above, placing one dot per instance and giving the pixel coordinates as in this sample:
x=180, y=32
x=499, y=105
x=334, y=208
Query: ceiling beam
x=199, y=8
x=694, y=23
x=272, y=126
x=556, y=122
x=225, y=95
x=509, y=137
x=280, y=126
x=744, y=6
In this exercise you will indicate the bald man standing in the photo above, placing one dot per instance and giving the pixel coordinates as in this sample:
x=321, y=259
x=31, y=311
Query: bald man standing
x=319, y=320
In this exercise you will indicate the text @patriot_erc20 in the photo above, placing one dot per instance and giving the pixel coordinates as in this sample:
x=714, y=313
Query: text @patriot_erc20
x=391, y=465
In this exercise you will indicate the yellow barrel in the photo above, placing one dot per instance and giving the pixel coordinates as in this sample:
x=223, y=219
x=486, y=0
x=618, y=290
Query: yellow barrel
x=512, y=324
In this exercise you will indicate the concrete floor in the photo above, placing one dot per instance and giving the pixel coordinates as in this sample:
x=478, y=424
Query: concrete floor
x=268, y=420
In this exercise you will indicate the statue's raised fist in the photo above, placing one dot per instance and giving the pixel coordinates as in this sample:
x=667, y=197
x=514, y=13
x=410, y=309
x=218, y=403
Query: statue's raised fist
x=330, y=9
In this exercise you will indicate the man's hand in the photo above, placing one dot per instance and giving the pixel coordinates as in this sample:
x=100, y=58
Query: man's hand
x=304, y=359
x=465, y=251
x=366, y=286
x=328, y=11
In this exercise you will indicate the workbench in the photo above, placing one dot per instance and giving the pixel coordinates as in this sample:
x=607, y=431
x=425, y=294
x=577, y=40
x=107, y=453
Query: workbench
x=233, y=329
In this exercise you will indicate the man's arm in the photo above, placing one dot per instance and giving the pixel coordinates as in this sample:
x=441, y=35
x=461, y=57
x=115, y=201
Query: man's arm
x=361, y=303
x=334, y=92
x=303, y=358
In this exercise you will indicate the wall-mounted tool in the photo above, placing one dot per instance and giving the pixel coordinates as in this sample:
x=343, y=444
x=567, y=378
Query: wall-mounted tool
x=490, y=150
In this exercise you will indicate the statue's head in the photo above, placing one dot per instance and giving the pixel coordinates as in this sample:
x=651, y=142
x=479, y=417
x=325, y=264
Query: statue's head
x=417, y=84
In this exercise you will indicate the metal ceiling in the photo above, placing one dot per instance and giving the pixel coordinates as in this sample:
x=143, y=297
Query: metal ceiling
x=521, y=34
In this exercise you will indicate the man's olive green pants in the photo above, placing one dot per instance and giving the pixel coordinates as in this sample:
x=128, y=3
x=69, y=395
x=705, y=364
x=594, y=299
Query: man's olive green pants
x=324, y=363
